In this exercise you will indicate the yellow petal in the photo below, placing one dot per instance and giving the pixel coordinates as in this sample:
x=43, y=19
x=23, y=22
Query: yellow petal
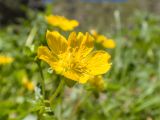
x=82, y=45
x=68, y=25
x=45, y=54
x=100, y=39
x=56, y=42
x=109, y=43
x=72, y=42
x=54, y=19
x=76, y=76
x=28, y=84
x=74, y=23
x=87, y=43
x=98, y=63
x=62, y=22
x=5, y=59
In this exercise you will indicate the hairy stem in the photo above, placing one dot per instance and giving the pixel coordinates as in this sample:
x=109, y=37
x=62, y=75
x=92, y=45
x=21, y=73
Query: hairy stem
x=60, y=86
x=42, y=79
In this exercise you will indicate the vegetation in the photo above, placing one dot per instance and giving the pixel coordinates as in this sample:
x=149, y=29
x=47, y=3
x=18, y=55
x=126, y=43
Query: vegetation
x=133, y=83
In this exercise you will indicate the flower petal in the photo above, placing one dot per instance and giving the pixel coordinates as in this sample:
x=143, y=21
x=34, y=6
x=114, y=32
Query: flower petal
x=72, y=42
x=74, y=23
x=109, y=43
x=5, y=59
x=56, y=42
x=76, y=76
x=82, y=45
x=62, y=22
x=98, y=63
x=46, y=55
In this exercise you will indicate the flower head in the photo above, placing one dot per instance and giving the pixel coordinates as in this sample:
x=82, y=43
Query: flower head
x=62, y=22
x=98, y=82
x=103, y=40
x=28, y=84
x=73, y=58
x=5, y=59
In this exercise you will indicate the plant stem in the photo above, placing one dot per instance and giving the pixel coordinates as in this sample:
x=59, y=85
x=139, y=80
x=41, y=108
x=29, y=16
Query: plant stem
x=42, y=79
x=60, y=86
x=31, y=36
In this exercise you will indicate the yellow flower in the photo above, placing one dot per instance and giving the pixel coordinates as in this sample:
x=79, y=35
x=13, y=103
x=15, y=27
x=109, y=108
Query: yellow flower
x=73, y=58
x=28, y=84
x=103, y=40
x=62, y=22
x=98, y=82
x=5, y=60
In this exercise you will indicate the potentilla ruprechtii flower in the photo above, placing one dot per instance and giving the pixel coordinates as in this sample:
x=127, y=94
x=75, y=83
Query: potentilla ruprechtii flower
x=103, y=40
x=98, y=82
x=5, y=59
x=74, y=58
x=62, y=22
x=28, y=84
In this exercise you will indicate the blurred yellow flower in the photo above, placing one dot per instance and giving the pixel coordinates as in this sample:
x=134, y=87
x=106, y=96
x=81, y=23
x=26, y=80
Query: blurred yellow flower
x=28, y=84
x=98, y=82
x=62, y=22
x=73, y=58
x=103, y=40
x=5, y=59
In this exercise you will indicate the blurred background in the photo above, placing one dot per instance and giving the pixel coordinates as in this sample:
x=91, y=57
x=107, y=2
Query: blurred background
x=133, y=83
